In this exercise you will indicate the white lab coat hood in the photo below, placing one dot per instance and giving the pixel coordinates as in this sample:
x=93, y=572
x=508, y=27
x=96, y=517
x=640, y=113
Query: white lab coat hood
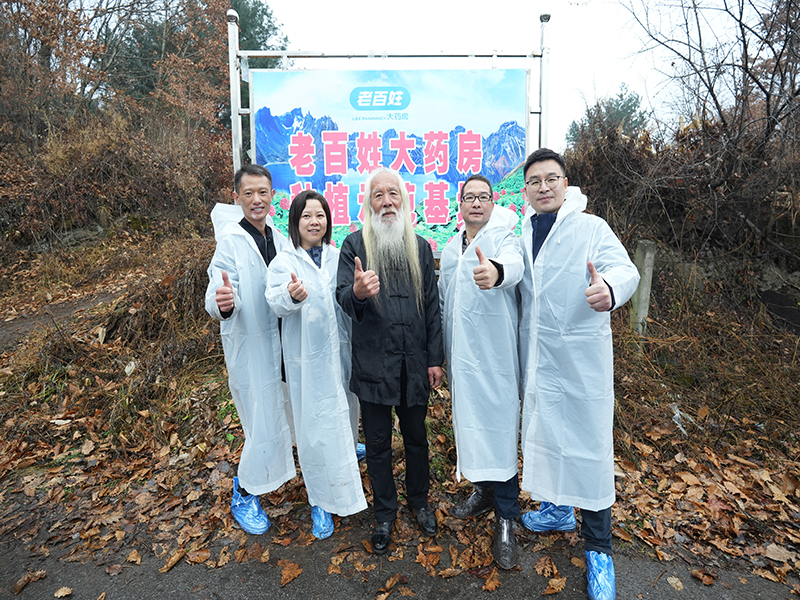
x=567, y=359
x=252, y=348
x=316, y=352
x=480, y=335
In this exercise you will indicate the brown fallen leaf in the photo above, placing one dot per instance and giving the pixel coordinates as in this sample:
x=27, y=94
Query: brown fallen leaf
x=391, y=582
x=134, y=557
x=546, y=567
x=63, y=592
x=555, y=586
x=676, y=583
x=114, y=569
x=492, y=582
x=707, y=577
x=198, y=556
x=449, y=572
x=224, y=556
x=405, y=592
x=289, y=571
x=173, y=559
x=102, y=596
x=27, y=578
x=87, y=447
x=767, y=575
x=578, y=562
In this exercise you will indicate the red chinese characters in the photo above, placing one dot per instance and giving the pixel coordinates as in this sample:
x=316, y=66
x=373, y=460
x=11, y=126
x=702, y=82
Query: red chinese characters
x=335, y=143
x=436, y=152
x=437, y=206
x=337, y=195
x=368, y=151
x=403, y=146
x=298, y=187
x=301, y=154
x=470, y=150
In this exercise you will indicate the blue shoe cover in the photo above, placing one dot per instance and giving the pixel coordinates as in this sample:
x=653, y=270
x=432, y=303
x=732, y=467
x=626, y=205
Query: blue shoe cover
x=550, y=518
x=321, y=523
x=361, y=451
x=600, y=574
x=248, y=512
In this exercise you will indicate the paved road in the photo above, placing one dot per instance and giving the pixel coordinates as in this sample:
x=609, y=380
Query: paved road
x=637, y=576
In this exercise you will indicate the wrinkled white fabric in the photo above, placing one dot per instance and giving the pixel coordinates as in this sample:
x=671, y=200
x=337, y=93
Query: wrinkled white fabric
x=316, y=351
x=567, y=359
x=480, y=336
x=251, y=342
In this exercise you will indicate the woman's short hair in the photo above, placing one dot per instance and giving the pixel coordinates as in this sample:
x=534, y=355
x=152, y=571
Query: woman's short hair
x=296, y=211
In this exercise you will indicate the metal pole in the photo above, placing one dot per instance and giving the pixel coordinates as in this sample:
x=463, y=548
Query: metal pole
x=544, y=74
x=236, y=97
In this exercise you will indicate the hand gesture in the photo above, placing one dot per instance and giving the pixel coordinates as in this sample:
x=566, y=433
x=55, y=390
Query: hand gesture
x=598, y=295
x=224, y=294
x=435, y=375
x=365, y=283
x=485, y=274
x=297, y=290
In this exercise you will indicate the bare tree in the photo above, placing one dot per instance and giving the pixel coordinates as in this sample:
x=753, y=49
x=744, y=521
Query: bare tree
x=736, y=65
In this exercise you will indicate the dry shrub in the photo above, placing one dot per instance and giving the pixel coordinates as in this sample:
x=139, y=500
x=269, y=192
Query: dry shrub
x=712, y=354
x=158, y=349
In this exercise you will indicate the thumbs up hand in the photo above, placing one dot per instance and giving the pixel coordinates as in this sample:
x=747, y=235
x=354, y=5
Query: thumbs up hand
x=598, y=294
x=224, y=294
x=485, y=274
x=365, y=283
x=297, y=290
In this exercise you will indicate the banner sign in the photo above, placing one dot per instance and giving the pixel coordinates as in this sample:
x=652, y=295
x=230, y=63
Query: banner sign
x=327, y=130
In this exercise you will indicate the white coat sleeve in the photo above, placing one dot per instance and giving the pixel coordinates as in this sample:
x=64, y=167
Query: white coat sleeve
x=612, y=262
x=278, y=277
x=510, y=256
x=224, y=259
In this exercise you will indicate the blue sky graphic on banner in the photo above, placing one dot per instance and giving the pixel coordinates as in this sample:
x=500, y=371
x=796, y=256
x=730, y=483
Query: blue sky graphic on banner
x=326, y=130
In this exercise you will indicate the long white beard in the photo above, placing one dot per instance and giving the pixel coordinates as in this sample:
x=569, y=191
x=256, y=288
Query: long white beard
x=389, y=242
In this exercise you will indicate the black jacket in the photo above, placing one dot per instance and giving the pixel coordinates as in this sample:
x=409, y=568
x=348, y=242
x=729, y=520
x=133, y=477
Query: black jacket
x=392, y=331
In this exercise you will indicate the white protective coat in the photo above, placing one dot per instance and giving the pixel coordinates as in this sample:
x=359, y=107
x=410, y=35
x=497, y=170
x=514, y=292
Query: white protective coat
x=567, y=359
x=252, y=346
x=316, y=352
x=480, y=335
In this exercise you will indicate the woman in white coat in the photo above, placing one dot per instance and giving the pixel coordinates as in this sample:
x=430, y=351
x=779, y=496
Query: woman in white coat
x=300, y=289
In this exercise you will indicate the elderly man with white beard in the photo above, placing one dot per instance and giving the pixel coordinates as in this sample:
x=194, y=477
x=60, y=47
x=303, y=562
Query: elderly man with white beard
x=387, y=284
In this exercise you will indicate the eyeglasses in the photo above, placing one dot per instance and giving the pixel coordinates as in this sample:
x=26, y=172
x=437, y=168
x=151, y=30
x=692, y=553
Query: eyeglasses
x=550, y=182
x=469, y=198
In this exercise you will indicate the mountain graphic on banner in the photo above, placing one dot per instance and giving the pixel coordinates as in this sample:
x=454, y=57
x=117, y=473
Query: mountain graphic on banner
x=503, y=150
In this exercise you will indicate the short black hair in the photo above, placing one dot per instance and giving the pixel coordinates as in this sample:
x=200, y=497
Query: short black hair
x=478, y=177
x=249, y=169
x=296, y=211
x=541, y=155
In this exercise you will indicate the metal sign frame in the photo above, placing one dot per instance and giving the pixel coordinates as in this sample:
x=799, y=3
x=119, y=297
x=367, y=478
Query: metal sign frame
x=237, y=64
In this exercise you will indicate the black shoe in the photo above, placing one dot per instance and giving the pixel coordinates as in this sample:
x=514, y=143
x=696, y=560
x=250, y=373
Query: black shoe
x=426, y=519
x=504, y=547
x=480, y=501
x=382, y=536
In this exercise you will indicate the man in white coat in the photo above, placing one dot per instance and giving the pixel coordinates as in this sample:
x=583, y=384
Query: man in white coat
x=479, y=271
x=251, y=342
x=576, y=272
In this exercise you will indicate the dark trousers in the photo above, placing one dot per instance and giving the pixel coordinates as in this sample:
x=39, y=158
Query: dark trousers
x=376, y=420
x=506, y=496
x=596, y=530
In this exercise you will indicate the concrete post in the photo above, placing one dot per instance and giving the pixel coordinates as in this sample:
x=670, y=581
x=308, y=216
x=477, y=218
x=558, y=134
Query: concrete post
x=640, y=302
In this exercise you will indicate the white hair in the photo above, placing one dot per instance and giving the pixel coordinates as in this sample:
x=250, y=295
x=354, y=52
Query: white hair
x=392, y=246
